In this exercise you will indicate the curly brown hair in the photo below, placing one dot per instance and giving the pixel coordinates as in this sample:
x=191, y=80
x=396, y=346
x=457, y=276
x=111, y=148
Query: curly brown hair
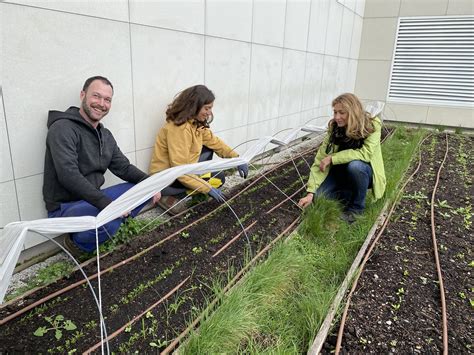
x=187, y=104
x=359, y=122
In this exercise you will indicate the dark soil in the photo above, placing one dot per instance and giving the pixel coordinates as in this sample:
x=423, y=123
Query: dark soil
x=396, y=307
x=131, y=289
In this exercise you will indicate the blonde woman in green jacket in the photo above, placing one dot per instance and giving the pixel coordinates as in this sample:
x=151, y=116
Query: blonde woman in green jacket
x=349, y=161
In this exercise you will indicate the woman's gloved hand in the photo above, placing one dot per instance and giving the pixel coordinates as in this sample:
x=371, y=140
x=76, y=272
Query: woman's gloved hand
x=243, y=170
x=216, y=195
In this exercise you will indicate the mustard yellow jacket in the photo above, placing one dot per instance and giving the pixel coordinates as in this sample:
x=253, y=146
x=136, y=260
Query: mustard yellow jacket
x=179, y=145
x=370, y=152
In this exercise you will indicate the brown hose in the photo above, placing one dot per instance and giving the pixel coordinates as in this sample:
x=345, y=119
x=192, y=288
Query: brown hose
x=436, y=255
x=234, y=239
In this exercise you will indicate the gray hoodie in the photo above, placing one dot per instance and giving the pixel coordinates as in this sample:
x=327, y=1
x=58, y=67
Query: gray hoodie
x=77, y=156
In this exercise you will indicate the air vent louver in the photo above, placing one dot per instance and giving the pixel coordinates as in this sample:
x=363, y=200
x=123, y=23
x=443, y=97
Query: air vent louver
x=434, y=61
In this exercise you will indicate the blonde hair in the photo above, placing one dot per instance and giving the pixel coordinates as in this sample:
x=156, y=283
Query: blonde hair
x=359, y=122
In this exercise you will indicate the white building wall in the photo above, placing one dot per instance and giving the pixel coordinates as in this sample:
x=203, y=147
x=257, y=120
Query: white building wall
x=376, y=52
x=272, y=64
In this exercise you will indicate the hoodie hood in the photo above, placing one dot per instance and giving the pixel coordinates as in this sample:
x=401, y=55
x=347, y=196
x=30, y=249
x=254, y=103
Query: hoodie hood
x=72, y=113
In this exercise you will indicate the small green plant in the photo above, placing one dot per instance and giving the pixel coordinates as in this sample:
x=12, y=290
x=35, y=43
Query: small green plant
x=197, y=250
x=443, y=204
x=399, y=248
x=149, y=315
x=418, y=195
x=57, y=324
x=158, y=343
x=184, y=235
x=400, y=294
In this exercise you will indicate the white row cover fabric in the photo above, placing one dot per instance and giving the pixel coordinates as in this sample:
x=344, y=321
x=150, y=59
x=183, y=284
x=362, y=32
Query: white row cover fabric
x=13, y=235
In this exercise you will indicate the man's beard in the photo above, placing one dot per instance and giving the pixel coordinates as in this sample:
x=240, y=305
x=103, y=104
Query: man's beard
x=88, y=111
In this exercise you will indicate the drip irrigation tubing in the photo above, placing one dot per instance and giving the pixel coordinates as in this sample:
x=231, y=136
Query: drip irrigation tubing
x=233, y=239
x=376, y=239
x=436, y=255
x=144, y=251
x=231, y=283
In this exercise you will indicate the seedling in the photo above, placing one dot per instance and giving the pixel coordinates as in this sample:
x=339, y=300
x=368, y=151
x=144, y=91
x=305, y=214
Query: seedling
x=443, y=204
x=148, y=315
x=418, y=196
x=197, y=250
x=57, y=324
x=158, y=343
x=185, y=235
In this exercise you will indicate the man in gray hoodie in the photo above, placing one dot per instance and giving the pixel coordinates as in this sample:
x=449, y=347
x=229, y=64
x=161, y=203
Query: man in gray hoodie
x=79, y=150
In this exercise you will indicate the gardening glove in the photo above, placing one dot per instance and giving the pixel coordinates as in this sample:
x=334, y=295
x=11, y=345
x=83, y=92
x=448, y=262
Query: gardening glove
x=243, y=170
x=216, y=195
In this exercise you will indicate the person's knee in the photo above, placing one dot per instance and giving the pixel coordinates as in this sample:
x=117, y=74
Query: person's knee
x=356, y=167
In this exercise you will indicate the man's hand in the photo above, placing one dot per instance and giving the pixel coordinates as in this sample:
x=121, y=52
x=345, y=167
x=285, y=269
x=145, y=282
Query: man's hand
x=306, y=201
x=325, y=163
x=216, y=195
x=243, y=170
x=156, y=198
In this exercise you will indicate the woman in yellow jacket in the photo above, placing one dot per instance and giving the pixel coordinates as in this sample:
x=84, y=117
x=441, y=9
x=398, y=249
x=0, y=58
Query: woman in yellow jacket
x=185, y=139
x=349, y=161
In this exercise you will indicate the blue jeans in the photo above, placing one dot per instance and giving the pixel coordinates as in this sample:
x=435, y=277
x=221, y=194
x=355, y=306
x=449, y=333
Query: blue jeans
x=348, y=183
x=86, y=240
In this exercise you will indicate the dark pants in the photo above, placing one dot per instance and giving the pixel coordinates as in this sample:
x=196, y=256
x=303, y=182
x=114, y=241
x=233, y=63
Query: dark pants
x=178, y=189
x=86, y=240
x=348, y=183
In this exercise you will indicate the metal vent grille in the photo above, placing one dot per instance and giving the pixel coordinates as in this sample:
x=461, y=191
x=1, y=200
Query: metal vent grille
x=433, y=61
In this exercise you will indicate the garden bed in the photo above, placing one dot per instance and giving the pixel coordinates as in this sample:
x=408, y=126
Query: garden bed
x=396, y=306
x=167, y=276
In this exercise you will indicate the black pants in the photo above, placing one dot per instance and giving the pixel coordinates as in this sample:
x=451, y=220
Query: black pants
x=178, y=189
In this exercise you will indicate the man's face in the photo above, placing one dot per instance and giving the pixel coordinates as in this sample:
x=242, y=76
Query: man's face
x=96, y=101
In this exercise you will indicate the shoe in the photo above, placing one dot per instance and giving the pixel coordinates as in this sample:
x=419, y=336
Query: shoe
x=349, y=217
x=172, y=205
x=71, y=247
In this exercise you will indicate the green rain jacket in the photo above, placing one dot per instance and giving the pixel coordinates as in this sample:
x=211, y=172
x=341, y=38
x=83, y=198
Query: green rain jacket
x=370, y=152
